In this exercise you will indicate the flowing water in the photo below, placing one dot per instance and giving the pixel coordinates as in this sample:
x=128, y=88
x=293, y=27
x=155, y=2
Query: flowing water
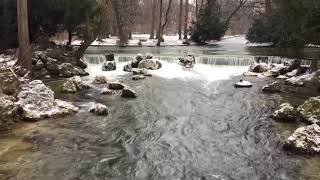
x=185, y=125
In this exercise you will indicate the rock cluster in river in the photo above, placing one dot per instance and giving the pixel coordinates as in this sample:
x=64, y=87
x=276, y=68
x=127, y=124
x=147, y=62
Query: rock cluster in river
x=99, y=109
x=110, y=64
x=187, y=61
x=146, y=62
x=305, y=139
x=56, y=63
x=36, y=101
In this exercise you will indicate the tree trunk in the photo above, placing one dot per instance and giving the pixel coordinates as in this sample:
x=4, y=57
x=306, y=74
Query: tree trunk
x=197, y=9
x=268, y=7
x=180, y=20
x=160, y=24
x=123, y=35
x=25, y=52
x=83, y=47
x=69, y=38
x=154, y=7
x=165, y=23
x=186, y=18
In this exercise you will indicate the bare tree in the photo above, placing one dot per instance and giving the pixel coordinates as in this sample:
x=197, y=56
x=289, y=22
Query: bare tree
x=186, y=18
x=25, y=53
x=123, y=34
x=160, y=39
x=268, y=6
x=154, y=7
x=180, y=19
x=160, y=19
x=239, y=6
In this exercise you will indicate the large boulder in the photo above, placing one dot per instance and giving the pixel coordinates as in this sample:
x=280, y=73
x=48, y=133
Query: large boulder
x=109, y=66
x=310, y=110
x=259, y=67
x=36, y=101
x=286, y=113
x=52, y=65
x=294, y=81
x=152, y=64
x=127, y=68
x=293, y=64
x=278, y=69
x=272, y=88
x=99, y=109
x=305, y=140
x=9, y=82
x=73, y=85
x=292, y=73
x=136, y=61
x=68, y=70
x=128, y=93
x=109, y=57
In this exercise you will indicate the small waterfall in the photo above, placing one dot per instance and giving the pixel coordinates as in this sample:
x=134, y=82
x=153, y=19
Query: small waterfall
x=215, y=60
x=278, y=60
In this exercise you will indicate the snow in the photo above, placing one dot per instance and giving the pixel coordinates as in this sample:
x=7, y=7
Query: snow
x=7, y=60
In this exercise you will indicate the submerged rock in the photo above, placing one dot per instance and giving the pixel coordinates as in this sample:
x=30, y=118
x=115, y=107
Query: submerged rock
x=116, y=85
x=243, y=84
x=272, y=88
x=310, y=110
x=36, y=101
x=294, y=82
x=138, y=77
x=305, y=140
x=107, y=91
x=286, y=113
x=100, y=80
x=151, y=64
x=128, y=93
x=9, y=81
x=259, y=68
x=109, y=66
x=99, y=109
x=73, y=85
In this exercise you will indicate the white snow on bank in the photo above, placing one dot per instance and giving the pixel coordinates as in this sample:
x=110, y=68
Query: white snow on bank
x=7, y=60
x=258, y=44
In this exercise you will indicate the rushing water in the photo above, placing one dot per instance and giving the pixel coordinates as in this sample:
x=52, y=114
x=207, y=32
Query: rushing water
x=185, y=125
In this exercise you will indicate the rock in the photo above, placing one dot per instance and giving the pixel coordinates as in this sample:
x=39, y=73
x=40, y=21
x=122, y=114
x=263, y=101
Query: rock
x=305, y=140
x=292, y=73
x=316, y=80
x=109, y=57
x=268, y=74
x=310, y=110
x=286, y=113
x=36, y=101
x=100, y=80
x=127, y=68
x=40, y=73
x=282, y=77
x=68, y=70
x=99, y=109
x=73, y=84
x=116, y=85
x=37, y=64
x=278, y=69
x=294, y=82
x=243, y=84
x=128, y=93
x=136, y=71
x=151, y=64
x=52, y=65
x=149, y=56
x=259, y=68
x=138, y=77
x=9, y=81
x=293, y=64
x=8, y=108
x=109, y=66
x=250, y=74
x=272, y=88
x=139, y=57
x=188, y=61
x=107, y=91
x=135, y=63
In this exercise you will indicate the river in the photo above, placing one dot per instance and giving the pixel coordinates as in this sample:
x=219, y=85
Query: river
x=185, y=125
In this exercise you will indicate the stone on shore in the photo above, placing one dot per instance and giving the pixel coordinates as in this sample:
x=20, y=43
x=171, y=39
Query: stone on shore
x=99, y=109
x=286, y=113
x=128, y=93
x=305, y=140
x=36, y=101
x=259, y=67
x=9, y=81
x=272, y=88
x=310, y=110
